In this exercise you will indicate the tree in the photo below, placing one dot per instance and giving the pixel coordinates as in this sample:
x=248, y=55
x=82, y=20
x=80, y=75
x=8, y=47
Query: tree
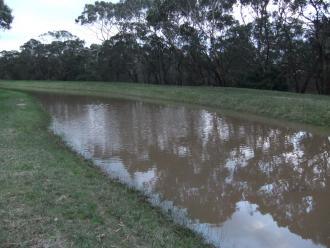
x=99, y=18
x=316, y=16
x=6, y=17
x=281, y=45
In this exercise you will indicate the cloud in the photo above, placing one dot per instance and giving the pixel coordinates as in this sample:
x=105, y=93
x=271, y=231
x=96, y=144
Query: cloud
x=35, y=17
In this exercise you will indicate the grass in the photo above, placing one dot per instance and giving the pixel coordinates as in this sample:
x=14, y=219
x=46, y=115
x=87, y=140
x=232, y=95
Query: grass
x=305, y=109
x=50, y=197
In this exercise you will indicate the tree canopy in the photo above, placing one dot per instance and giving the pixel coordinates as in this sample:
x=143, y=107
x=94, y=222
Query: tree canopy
x=266, y=44
x=6, y=17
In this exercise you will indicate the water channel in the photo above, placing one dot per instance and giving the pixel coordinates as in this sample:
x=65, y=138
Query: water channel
x=237, y=181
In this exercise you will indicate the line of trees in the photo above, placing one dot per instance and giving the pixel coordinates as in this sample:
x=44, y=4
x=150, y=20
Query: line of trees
x=266, y=44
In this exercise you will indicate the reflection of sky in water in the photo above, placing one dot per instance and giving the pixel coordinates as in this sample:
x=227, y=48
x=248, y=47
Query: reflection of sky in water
x=246, y=224
x=242, y=184
x=240, y=230
x=139, y=180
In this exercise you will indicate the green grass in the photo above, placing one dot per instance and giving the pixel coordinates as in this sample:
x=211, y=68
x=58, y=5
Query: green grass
x=50, y=197
x=306, y=109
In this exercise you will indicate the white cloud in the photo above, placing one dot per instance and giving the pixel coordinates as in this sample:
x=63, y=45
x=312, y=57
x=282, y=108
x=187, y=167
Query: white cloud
x=35, y=17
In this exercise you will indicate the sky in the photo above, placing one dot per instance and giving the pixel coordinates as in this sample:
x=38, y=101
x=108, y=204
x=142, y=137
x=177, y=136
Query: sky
x=35, y=17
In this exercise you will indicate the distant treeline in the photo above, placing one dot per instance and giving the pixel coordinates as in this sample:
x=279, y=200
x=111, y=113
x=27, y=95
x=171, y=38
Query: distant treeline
x=266, y=44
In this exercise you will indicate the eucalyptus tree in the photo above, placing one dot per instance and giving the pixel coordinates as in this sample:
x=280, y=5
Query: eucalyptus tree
x=216, y=19
x=58, y=35
x=6, y=17
x=100, y=18
x=62, y=58
x=275, y=44
x=171, y=22
x=34, y=64
x=118, y=26
x=197, y=28
x=67, y=57
x=315, y=15
x=9, y=65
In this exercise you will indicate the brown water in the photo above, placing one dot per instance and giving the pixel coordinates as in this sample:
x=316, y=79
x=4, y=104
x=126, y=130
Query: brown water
x=238, y=182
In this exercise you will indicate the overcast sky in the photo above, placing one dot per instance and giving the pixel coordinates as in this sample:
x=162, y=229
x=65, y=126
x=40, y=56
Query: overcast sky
x=35, y=17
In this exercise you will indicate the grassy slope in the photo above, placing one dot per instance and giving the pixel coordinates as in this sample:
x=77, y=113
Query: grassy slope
x=49, y=197
x=307, y=109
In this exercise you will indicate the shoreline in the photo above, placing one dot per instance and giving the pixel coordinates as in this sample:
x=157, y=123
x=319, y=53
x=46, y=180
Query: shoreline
x=52, y=196
x=313, y=110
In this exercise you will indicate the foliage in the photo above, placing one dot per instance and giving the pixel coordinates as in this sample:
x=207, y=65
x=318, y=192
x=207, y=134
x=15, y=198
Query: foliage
x=6, y=17
x=269, y=44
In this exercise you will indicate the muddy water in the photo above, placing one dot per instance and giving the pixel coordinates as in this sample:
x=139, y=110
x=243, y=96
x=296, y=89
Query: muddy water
x=238, y=182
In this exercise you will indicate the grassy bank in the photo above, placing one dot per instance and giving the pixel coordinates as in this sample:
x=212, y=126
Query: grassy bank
x=306, y=109
x=50, y=197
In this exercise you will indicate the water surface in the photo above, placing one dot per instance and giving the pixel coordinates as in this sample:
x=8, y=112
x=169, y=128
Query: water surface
x=238, y=182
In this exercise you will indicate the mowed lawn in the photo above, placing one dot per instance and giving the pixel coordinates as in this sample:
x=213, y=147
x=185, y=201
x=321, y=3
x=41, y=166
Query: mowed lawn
x=50, y=197
x=306, y=109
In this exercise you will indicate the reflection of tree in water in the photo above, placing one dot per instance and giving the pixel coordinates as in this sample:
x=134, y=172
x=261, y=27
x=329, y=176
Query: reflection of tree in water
x=208, y=163
x=291, y=181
